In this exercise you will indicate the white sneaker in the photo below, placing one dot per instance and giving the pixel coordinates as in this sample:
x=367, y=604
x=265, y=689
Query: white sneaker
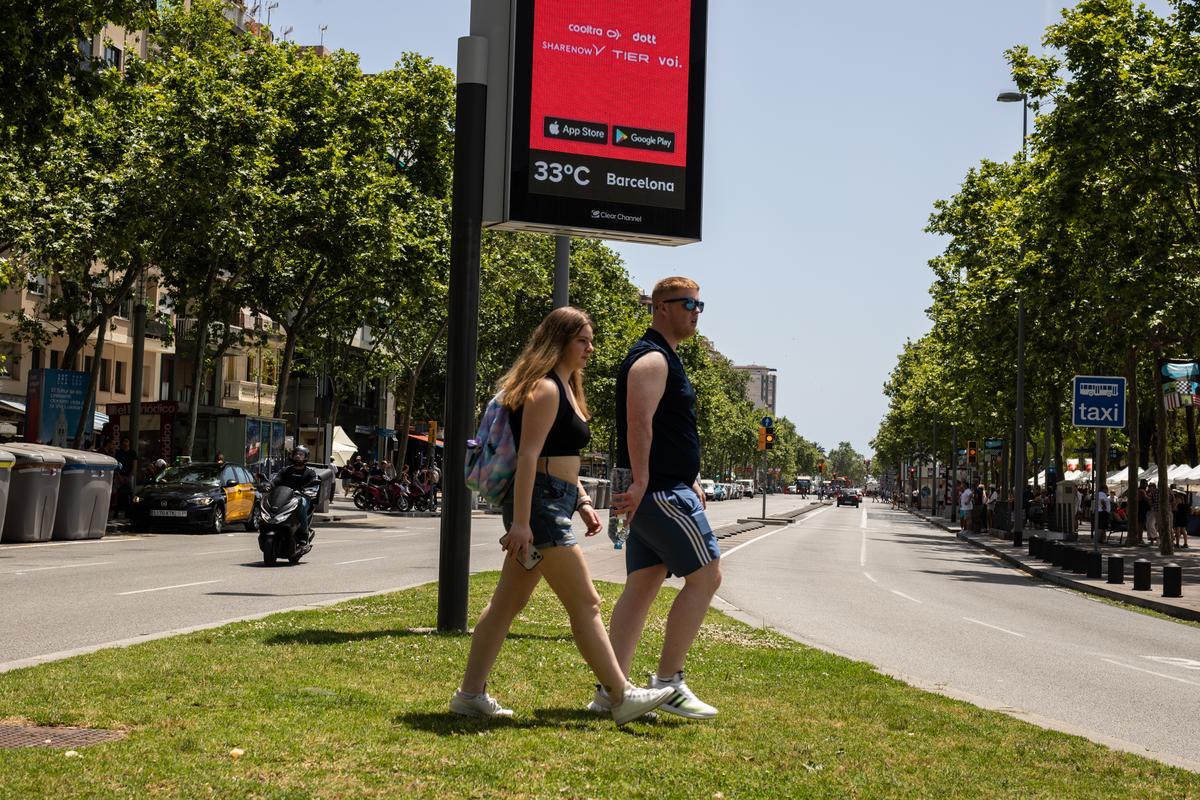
x=481, y=705
x=683, y=701
x=638, y=701
x=601, y=705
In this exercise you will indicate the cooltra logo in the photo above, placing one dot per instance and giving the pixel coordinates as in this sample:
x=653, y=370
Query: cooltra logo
x=575, y=130
x=643, y=139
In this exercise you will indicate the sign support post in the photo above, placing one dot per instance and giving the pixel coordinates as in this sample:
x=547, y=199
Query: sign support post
x=463, y=336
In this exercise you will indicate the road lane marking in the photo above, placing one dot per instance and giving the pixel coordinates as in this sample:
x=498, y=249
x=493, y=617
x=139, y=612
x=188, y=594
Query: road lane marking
x=164, y=588
x=872, y=580
x=1150, y=672
x=61, y=566
x=864, y=518
x=232, y=550
x=359, y=560
x=862, y=553
x=905, y=596
x=780, y=529
x=1182, y=663
x=995, y=627
x=72, y=543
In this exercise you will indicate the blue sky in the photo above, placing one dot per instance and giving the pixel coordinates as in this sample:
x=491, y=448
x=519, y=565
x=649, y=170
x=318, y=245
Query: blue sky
x=831, y=130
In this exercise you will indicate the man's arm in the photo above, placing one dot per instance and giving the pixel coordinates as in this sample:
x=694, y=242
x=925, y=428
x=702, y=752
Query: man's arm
x=646, y=384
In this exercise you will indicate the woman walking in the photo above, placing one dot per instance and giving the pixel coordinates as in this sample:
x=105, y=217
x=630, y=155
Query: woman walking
x=548, y=413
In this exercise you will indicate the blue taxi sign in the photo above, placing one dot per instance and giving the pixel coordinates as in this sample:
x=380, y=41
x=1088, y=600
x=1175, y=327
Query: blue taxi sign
x=1099, y=402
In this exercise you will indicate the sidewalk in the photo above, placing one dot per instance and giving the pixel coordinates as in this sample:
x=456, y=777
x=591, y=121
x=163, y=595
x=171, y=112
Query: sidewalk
x=1186, y=607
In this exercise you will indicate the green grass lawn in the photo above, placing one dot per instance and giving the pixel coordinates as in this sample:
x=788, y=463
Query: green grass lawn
x=351, y=701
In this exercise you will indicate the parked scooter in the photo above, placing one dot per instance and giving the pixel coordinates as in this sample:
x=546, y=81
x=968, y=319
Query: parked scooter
x=391, y=495
x=281, y=518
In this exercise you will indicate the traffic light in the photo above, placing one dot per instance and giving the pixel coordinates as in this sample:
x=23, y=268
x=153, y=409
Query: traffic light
x=972, y=452
x=769, y=437
x=762, y=438
x=912, y=471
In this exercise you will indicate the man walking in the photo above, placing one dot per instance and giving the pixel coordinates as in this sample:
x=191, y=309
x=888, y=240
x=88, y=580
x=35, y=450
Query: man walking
x=669, y=534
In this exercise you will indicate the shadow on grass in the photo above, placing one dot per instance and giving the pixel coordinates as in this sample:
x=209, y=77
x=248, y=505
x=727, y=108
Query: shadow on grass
x=315, y=636
x=450, y=724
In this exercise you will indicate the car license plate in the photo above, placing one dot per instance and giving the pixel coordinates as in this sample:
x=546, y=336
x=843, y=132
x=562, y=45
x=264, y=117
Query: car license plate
x=159, y=512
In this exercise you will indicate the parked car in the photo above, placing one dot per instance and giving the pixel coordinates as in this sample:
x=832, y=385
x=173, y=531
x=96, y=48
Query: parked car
x=849, y=497
x=202, y=495
x=709, y=488
x=747, y=485
x=735, y=490
x=719, y=492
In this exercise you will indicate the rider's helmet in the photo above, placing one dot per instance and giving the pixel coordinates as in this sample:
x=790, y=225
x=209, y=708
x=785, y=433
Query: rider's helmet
x=160, y=464
x=300, y=455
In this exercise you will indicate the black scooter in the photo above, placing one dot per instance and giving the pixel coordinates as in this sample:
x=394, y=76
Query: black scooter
x=280, y=522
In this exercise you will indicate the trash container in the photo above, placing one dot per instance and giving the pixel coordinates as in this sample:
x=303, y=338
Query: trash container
x=84, y=493
x=32, y=494
x=7, y=460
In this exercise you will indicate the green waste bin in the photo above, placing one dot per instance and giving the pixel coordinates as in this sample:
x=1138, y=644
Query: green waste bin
x=32, y=493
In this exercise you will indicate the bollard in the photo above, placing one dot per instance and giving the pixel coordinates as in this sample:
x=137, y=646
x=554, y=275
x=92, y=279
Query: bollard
x=1017, y=538
x=1172, y=581
x=1054, y=553
x=1116, y=569
x=1033, y=542
x=1141, y=575
x=1059, y=556
x=1079, y=560
x=1095, y=564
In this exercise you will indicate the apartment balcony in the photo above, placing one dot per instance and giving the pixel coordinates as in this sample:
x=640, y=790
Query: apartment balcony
x=249, y=397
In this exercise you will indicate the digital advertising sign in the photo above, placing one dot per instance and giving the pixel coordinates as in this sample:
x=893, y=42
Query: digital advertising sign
x=606, y=118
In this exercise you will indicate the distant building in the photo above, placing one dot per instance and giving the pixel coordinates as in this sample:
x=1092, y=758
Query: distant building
x=760, y=389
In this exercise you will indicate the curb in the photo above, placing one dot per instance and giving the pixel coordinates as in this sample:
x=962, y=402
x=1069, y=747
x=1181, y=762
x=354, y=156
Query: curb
x=1069, y=583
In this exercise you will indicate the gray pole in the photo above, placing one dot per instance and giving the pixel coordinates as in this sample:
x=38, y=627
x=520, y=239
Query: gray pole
x=135, y=382
x=470, y=120
x=562, y=270
x=1099, y=478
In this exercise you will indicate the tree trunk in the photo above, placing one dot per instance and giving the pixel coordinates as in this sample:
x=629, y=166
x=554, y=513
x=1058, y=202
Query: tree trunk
x=197, y=381
x=1132, y=415
x=1056, y=412
x=289, y=349
x=414, y=378
x=87, y=418
x=1192, y=457
x=1165, y=544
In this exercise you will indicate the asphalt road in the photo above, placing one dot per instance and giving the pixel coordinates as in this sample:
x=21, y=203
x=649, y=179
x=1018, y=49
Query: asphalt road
x=883, y=587
x=62, y=598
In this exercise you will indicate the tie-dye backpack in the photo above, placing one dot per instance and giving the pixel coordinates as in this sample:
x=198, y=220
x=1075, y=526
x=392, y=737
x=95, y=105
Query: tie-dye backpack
x=492, y=455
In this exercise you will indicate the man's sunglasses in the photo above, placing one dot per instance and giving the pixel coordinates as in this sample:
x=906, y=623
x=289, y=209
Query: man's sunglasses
x=689, y=303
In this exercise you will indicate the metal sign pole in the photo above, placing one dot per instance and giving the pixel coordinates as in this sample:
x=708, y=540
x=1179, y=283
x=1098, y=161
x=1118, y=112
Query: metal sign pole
x=463, y=336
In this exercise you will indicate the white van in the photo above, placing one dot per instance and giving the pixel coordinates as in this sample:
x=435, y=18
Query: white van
x=747, y=485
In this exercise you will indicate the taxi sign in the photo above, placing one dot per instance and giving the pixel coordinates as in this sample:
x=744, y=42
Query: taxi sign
x=1098, y=402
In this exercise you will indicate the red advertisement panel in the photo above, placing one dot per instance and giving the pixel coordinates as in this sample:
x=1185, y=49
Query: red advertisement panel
x=610, y=79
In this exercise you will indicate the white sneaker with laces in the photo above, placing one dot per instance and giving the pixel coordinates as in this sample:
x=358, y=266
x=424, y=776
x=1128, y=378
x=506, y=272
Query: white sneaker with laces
x=638, y=701
x=481, y=705
x=601, y=705
x=683, y=701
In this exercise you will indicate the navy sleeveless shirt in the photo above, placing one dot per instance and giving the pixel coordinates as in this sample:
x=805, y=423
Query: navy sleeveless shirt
x=675, y=447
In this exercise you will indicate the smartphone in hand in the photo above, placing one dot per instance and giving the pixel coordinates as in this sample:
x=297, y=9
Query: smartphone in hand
x=532, y=554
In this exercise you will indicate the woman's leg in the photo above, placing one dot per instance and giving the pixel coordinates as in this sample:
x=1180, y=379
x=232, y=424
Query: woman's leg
x=566, y=571
x=512, y=593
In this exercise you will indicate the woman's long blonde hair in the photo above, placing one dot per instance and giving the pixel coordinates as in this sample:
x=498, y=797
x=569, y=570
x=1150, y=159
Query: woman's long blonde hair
x=542, y=352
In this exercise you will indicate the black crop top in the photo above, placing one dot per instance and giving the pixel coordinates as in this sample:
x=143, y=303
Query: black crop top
x=568, y=435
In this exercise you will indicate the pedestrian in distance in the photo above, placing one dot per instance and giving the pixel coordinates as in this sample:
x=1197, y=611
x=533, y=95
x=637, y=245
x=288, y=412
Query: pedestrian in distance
x=669, y=534
x=1179, y=516
x=548, y=415
x=966, y=503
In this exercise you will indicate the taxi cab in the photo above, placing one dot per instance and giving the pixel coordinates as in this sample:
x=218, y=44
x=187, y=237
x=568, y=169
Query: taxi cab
x=203, y=495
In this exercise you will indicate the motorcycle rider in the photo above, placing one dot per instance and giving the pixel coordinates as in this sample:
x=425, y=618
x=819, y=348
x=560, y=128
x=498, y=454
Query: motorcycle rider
x=298, y=475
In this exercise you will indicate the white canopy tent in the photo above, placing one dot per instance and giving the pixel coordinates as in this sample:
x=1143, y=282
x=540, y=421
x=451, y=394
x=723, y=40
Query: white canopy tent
x=343, y=447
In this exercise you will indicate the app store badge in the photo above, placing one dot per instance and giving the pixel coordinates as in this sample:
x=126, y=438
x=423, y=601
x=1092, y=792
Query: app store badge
x=574, y=130
x=643, y=139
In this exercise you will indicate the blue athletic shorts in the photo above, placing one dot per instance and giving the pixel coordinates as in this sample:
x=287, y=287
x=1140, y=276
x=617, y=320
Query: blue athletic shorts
x=670, y=528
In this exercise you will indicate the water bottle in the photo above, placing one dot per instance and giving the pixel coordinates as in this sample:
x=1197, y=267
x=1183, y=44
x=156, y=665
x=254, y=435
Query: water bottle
x=618, y=529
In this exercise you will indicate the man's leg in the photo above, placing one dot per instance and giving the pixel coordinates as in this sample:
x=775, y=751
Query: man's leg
x=629, y=614
x=687, y=614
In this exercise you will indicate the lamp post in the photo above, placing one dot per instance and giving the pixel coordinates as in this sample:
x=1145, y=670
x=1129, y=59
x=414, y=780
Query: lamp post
x=1019, y=427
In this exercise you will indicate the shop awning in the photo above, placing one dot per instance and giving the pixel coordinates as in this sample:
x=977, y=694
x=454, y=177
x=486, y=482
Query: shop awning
x=421, y=437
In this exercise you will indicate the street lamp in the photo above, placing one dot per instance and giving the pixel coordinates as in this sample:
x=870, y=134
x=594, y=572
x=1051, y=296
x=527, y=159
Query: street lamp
x=1019, y=427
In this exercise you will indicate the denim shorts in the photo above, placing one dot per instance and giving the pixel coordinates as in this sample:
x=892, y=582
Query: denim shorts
x=550, y=511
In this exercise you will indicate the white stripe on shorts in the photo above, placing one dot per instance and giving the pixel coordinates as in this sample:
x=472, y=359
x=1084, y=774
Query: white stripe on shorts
x=690, y=529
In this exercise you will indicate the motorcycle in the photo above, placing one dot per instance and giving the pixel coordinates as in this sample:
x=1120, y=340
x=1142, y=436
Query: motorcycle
x=280, y=521
x=424, y=497
x=391, y=495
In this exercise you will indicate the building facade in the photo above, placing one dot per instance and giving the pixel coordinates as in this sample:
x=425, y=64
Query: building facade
x=760, y=388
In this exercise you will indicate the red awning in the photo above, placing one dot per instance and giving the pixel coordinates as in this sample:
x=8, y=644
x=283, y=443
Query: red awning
x=421, y=437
